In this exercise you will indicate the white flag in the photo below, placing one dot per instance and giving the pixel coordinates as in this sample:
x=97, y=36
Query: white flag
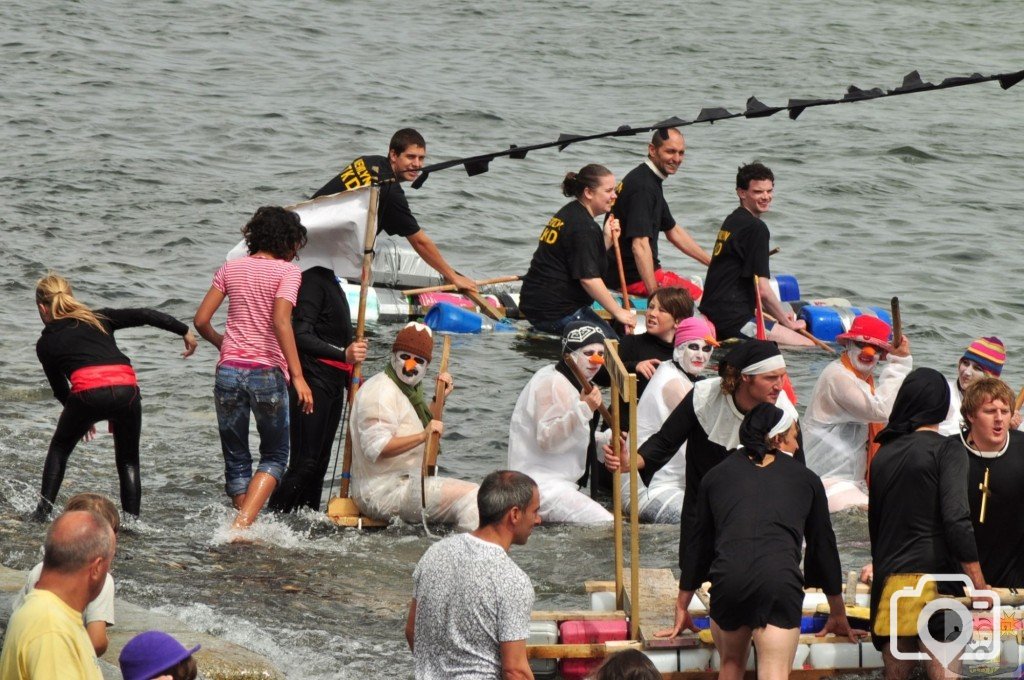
x=336, y=227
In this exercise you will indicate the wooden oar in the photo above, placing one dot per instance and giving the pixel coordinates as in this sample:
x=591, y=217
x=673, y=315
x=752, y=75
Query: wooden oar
x=433, y=444
x=450, y=287
x=357, y=368
x=897, y=323
x=622, y=274
x=775, y=251
x=1019, y=402
x=586, y=387
x=807, y=334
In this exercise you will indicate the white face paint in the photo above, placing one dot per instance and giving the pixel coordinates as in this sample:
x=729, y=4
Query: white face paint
x=589, y=359
x=863, y=357
x=967, y=372
x=693, y=356
x=410, y=368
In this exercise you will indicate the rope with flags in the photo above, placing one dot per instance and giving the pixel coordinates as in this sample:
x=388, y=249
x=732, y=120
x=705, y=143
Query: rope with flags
x=912, y=84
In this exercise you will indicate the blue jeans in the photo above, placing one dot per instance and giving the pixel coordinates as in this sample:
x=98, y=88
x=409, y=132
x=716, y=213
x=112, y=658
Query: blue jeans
x=582, y=314
x=264, y=393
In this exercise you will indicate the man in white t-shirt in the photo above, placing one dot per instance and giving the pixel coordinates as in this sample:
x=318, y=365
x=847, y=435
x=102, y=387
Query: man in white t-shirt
x=470, y=612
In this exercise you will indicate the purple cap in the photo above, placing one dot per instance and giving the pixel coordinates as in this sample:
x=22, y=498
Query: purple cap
x=148, y=654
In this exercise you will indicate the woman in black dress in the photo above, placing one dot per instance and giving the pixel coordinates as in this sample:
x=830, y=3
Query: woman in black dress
x=753, y=512
x=94, y=381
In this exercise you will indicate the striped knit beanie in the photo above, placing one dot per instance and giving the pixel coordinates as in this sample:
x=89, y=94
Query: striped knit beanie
x=988, y=353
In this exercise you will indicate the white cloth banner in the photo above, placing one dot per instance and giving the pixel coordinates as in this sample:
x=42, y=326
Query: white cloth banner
x=336, y=227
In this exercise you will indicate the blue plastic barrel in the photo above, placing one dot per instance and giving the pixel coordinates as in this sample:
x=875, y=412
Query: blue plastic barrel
x=825, y=323
x=447, y=318
x=789, y=287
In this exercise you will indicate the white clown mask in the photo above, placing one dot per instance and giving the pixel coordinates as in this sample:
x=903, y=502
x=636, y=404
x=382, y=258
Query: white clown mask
x=410, y=368
x=865, y=358
x=589, y=359
x=693, y=355
x=967, y=372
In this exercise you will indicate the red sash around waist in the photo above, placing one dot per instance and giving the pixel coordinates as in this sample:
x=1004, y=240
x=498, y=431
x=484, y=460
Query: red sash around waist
x=112, y=375
x=336, y=364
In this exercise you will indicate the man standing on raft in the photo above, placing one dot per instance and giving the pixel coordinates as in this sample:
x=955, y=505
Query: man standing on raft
x=390, y=425
x=406, y=154
x=643, y=212
x=740, y=254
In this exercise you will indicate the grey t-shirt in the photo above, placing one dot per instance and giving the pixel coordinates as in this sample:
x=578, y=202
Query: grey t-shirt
x=470, y=597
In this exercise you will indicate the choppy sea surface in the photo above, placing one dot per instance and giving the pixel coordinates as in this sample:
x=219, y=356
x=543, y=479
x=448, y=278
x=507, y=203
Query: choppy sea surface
x=138, y=137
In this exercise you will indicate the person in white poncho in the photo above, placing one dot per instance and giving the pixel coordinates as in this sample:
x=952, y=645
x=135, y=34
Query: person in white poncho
x=390, y=424
x=553, y=425
x=848, y=408
x=661, y=501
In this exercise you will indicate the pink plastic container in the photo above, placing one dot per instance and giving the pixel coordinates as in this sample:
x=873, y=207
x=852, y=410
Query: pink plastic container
x=587, y=633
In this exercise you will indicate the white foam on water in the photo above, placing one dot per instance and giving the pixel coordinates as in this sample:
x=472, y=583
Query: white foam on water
x=295, y=652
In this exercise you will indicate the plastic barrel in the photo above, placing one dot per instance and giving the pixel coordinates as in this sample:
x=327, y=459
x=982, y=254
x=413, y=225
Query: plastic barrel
x=447, y=318
x=825, y=323
x=789, y=287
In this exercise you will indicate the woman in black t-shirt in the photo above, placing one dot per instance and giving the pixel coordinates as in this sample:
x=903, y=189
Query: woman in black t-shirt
x=567, y=269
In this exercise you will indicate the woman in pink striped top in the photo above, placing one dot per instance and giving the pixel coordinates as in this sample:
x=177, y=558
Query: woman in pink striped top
x=257, y=355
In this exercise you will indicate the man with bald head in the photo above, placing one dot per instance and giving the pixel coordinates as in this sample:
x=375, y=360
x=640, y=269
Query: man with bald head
x=643, y=213
x=45, y=636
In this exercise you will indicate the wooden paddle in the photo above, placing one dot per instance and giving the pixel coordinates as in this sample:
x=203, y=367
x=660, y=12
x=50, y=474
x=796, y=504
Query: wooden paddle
x=622, y=274
x=433, y=443
x=357, y=369
x=450, y=287
x=586, y=387
x=1019, y=401
x=897, y=322
x=807, y=334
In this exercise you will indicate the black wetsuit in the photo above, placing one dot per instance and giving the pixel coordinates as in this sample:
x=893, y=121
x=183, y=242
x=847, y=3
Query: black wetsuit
x=918, y=515
x=1000, y=539
x=67, y=345
x=749, y=525
x=394, y=215
x=323, y=329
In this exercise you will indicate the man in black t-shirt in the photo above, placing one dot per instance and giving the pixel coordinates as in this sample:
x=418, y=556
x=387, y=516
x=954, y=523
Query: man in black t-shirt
x=740, y=254
x=644, y=213
x=405, y=157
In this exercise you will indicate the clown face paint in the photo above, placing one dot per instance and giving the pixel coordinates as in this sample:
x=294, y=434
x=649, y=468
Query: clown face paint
x=410, y=368
x=864, y=357
x=967, y=372
x=589, y=359
x=692, y=355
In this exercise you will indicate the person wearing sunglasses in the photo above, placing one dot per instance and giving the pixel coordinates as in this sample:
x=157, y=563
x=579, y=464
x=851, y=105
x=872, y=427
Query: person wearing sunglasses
x=848, y=408
x=661, y=501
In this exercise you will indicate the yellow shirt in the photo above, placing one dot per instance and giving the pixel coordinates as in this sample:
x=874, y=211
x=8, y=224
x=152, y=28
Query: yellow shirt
x=47, y=641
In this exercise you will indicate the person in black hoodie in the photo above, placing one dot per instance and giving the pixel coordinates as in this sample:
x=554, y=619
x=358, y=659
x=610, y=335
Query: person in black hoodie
x=323, y=336
x=94, y=381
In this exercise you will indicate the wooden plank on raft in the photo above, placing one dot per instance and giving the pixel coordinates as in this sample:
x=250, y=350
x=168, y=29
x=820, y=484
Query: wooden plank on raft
x=577, y=615
x=599, y=586
x=580, y=651
x=658, y=590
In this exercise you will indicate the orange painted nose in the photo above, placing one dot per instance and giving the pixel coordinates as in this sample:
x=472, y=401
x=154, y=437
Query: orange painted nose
x=409, y=365
x=869, y=350
x=597, y=360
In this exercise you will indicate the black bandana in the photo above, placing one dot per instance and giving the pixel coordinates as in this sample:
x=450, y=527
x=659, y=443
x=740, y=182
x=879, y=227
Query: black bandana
x=923, y=399
x=755, y=428
x=580, y=334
